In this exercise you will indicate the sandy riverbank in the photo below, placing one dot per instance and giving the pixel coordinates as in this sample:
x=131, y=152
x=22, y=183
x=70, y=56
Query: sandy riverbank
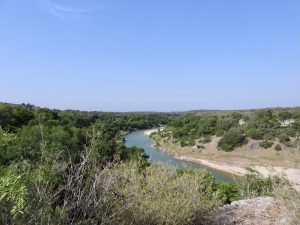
x=153, y=130
x=292, y=174
x=267, y=162
x=235, y=164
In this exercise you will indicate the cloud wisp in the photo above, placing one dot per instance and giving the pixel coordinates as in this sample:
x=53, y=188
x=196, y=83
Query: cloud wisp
x=64, y=12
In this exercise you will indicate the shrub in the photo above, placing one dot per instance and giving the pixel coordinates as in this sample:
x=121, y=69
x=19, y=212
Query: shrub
x=229, y=191
x=164, y=195
x=291, y=131
x=270, y=134
x=255, y=133
x=206, y=139
x=13, y=190
x=231, y=139
x=278, y=147
x=266, y=144
x=219, y=133
x=184, y=143
x=254, y=184
x=284, y=115
x=283, y=138
x=200, y=147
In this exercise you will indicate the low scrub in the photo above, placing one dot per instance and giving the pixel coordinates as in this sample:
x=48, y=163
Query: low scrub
x=88, y=192
x=253, y=184
x=266, y=144
x=284, y=138
x=278, y=147
x=164, y=195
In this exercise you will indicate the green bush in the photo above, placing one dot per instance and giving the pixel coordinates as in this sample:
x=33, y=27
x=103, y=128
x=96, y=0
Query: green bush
x=188, y=142
x=284, y=115
x=231, y=139
x=13, y=190
x=206, y=139
x=254, y=184
x=283, y=138
x=229, y=191
x=219, y=133
x=255, y=133
x=163, y=195
x=278, y=147
x=270, y=134
x=266, y=144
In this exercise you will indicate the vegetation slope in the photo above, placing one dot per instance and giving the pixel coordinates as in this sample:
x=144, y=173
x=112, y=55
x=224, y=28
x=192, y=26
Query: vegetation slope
x=72, y=167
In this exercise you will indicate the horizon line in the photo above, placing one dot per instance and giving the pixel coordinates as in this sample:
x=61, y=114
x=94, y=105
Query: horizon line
x=154, y=111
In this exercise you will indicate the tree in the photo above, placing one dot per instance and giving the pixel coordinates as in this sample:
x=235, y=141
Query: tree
x=284, y=115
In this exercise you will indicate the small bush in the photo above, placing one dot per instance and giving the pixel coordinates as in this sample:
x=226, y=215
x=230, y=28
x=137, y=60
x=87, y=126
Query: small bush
x=266, y=144
x=231, y=139
x=229, y=191
x=185, y=143
x=206, y=139
x=283, y=138
x=255, y=134
x=219, y=133
x=278, y=147
x=200, y=147
x=270, y=134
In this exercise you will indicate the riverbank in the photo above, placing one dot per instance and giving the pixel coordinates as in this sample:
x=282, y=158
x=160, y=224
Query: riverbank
x=150, y=131
x=236, y=163
x=156, y=156
x=292, y=174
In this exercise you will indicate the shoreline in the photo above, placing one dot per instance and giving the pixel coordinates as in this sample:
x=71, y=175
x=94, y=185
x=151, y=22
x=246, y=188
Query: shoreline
x=148, y=132
x=234, y=170
x=292, y=174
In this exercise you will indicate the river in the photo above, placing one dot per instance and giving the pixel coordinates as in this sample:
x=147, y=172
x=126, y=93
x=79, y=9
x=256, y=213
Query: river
x=140, y=140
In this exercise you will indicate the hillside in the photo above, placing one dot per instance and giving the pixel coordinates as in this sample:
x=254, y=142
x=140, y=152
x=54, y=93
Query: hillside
x=72, y=167
x=265, y=140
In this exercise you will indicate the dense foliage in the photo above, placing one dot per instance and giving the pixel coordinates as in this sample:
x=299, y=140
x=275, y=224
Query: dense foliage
x=39, y=146
x=72, y=167
x=281, y=125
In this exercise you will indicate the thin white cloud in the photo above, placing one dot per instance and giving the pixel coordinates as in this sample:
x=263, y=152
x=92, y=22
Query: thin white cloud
x=63, y=12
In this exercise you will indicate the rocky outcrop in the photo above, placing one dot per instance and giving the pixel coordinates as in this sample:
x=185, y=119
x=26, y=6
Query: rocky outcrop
x=256, y=211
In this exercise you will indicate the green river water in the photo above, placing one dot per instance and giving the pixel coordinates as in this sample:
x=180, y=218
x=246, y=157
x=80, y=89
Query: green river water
x=140, y=140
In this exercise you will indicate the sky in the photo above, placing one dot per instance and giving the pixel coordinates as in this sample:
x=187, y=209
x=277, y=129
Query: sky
x=154, y=55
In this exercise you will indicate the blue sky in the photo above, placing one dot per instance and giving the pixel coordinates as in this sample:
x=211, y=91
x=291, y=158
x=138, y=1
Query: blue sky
x=158, y=55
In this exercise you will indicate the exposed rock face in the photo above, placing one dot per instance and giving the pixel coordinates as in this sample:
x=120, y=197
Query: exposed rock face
x=256, y=211
x=287, y=123
x=242, y=122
